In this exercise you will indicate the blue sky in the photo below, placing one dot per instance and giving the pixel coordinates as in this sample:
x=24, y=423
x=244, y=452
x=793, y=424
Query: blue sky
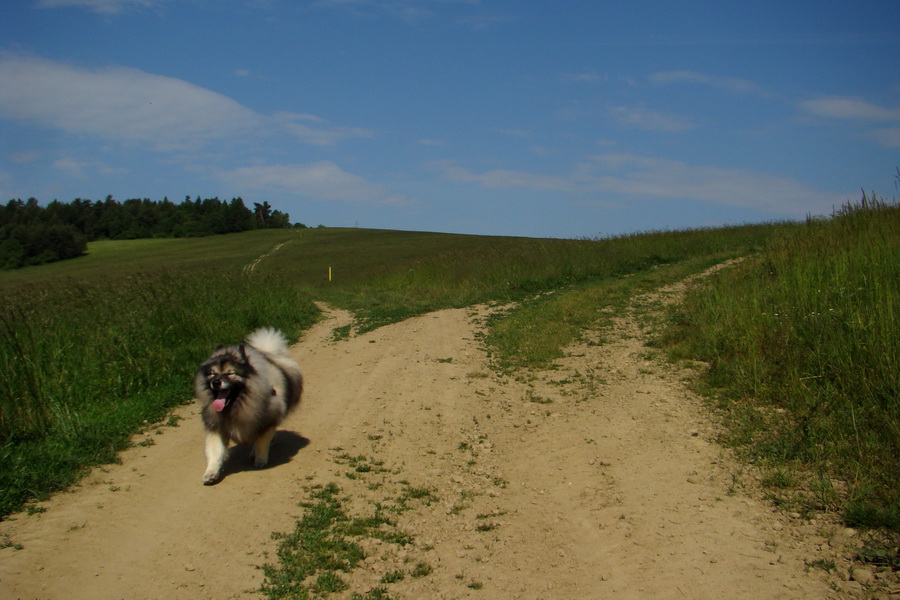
x=508, y=117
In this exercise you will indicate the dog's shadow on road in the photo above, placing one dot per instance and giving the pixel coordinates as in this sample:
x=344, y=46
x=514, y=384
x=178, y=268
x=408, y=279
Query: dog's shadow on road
x=285, y=446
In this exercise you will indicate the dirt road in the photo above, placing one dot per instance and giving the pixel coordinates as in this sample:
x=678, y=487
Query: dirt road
x=598, y=479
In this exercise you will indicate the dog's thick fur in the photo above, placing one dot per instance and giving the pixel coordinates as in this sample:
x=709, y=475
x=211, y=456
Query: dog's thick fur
x=244, y=392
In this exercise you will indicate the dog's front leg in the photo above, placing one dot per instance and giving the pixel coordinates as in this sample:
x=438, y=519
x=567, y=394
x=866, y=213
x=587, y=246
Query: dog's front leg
x=216, y=449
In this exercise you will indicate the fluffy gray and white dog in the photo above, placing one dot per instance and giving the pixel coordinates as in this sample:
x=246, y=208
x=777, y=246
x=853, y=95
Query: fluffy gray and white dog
x=245, y=391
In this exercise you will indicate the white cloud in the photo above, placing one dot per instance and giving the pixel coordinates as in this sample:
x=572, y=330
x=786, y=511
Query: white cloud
x=861, y=111
x=316, y=131
x=99, y=6
x=649, y=120
x=622, y=176
x=516, y=133
x=119, y=104
x=24, y=158
x=583, y=77
x=407, y=10
x=322, y=180
x=127, y=105
x=662, y=178
x=505, y=178
x=850, y=108
x=79, y=168
x=411, y=11
x=70, y=167
x=731, y=84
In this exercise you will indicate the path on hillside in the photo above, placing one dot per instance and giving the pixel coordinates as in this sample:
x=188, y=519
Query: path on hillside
x=595, y=480
x=250, y=267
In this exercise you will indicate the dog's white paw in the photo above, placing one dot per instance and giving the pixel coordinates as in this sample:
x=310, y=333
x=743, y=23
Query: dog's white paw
x=211, y=476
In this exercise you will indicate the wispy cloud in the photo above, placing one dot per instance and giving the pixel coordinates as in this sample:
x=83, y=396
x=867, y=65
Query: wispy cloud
x=81, y=169
x=407, y=10
x=653, y=177
x=24, y=158
x=100, y=6
x=478, y=22
x=130, y=106
x=860, y=111
x=638, y=117
x=620, y=176
x=583, y=77
x=850, y=108
x=133, y=108
x=514, y=133
x=316, y=130
x=414, y=11
x=506, y=178
x=118, y=104
x=731, y=84
x=322, y=180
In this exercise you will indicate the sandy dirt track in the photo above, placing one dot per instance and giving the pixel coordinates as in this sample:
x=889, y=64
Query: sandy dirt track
x=597, y=479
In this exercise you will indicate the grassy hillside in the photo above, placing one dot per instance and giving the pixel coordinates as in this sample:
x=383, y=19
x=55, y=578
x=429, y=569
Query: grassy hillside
x=92, y=348
x=804, y=346
x=86, y=361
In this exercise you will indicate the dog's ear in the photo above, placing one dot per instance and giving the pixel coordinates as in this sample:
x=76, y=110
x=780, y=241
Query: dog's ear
x=243, y=352
x=219, y=347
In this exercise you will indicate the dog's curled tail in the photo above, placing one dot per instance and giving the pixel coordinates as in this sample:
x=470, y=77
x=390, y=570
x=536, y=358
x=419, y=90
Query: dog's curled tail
x=269, y=340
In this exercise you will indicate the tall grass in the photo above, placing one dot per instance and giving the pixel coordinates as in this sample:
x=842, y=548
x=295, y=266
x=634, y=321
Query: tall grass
x=535, y=332
x=458, y=271
x=804, y=347
x=84, y=365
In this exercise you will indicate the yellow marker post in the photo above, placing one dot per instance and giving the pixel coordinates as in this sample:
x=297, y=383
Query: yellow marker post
x=329, y=273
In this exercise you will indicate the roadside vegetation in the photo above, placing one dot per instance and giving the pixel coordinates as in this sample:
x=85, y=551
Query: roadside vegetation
x=94, y=348
x=331, y=541
x=90, y=352
x=385, y=276
x=803, y=345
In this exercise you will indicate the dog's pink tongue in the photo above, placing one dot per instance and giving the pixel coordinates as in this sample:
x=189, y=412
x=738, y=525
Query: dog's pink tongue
x=219, y=402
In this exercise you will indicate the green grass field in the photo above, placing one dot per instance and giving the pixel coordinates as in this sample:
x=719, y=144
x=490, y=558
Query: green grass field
x=92, y=348
x=804, y=346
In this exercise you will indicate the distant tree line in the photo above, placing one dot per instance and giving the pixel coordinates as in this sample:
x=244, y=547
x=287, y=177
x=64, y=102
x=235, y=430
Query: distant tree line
x=31, y=234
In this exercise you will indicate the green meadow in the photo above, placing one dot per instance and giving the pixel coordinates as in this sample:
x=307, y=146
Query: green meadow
x=803, y=343
x=94, y=349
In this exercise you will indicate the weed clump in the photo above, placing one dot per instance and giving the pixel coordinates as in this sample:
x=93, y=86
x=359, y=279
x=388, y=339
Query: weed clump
x=323, y=545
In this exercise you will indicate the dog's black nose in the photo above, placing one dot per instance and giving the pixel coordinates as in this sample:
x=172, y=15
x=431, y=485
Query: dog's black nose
x=215, y=384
